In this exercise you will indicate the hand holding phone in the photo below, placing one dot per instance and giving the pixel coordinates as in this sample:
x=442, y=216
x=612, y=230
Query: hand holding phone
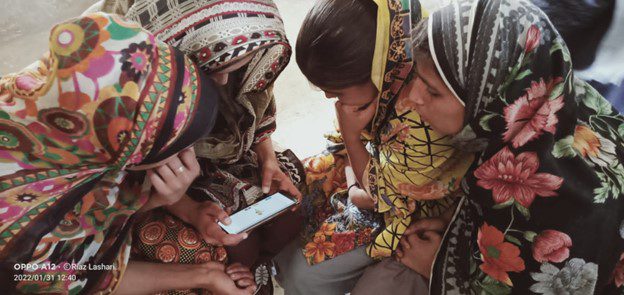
x=205, y=218
x=258, y=213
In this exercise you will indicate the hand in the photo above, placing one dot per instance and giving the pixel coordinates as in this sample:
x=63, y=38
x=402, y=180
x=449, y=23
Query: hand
x=205, y=217
x=418, y=251
x=352, y=119
x=241, y=275
x=361, y=199
x=171, y=180
x=274, y=179
x=212, y=276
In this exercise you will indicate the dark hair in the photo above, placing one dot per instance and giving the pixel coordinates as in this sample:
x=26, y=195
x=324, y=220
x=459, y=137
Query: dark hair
x=336, y=43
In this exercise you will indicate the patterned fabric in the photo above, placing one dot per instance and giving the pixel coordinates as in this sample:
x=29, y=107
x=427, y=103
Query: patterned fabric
x=237, y=185
x=544, y=211
x=107, y=96
x=333, y=225
x=161, y=237
x=414, y=172
x=218, y=33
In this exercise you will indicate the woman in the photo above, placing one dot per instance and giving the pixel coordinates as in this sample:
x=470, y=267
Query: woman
x=243, y=46
x=107, y=100
x=544, y=209
x=413, y=172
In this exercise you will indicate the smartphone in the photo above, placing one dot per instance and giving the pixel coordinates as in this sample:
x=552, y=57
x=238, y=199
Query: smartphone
x=258, y=213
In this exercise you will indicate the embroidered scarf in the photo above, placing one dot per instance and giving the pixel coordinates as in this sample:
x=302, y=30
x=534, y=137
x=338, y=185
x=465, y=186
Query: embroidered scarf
x=106, y=96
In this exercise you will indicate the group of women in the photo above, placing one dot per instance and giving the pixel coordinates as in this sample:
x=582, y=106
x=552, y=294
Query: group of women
x=469, y=159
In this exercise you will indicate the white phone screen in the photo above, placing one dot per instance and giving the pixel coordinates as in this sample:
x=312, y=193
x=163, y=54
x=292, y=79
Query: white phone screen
x=257, y=213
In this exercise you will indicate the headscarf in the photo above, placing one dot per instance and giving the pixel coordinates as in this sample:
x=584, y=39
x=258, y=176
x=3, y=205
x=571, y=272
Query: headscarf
x=107, y=96
x=218, y=33
x=545, y=208
x=414, y=171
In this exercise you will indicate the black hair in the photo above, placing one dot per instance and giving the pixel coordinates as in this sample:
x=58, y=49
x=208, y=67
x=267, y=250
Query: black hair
x=336, y=43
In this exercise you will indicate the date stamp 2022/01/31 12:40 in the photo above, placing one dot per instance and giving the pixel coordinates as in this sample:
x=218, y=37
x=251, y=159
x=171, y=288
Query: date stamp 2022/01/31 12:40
x=47, y=272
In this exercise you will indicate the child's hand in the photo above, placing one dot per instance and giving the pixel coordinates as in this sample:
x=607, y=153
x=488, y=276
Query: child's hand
x=205, y=218
x=353, y=119
x=418, y=252
x=241, y=275
x=212, y=276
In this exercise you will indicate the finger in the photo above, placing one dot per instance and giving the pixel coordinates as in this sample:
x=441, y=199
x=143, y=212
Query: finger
x=215, y=233
x=241, y=275
x=157, y=182
x=176, y=166
x=216, y=212
x=243, y=283
x=267, y=179
x=249, y=290
x=233, y=240
x=404, y=243
x=168, y=176
x=399, y=253
x=189, y=159
x=236, y=267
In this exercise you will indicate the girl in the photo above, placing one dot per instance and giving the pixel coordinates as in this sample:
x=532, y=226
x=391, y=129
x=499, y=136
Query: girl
x=242, y=45
x=108, y=98
x=544, y=208
x=412, y=173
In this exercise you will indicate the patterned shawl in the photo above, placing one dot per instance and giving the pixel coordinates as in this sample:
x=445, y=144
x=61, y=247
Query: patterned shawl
x=106, y=96
x=414, y=171
x=216, y=33
x=545, y=210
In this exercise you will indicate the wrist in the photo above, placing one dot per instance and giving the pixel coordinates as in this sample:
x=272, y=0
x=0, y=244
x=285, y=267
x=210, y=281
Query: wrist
x=200, y=277
x=264, y=150
x=185, y=209
x=352, y=136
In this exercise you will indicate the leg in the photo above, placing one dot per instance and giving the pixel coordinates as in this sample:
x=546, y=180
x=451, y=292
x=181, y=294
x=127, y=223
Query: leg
x=247, y=251
x=332, y=277
x=277, y=234
x=391, y=277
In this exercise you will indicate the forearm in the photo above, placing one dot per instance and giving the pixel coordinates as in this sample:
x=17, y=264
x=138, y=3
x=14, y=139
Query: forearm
x=358, y=155
x=150, y=278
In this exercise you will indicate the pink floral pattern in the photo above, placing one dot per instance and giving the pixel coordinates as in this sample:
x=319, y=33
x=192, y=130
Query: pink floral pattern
x=515, y=178
x=551, y=246
x=533, y=114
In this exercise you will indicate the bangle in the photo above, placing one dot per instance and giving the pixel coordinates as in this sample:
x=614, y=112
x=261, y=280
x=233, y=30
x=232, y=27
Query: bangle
x=351, y=186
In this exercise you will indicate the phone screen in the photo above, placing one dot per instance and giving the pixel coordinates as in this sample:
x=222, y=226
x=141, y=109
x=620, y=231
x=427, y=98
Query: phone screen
x=258, y=213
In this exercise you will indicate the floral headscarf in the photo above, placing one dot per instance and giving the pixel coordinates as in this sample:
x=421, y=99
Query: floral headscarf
x=545, y=206
x=107, y=96
x=218, y=33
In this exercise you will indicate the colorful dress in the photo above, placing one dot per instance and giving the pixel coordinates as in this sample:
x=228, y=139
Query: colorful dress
x=107, y=96
x=216, y=34
x=413, y=172
x=544, y=212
